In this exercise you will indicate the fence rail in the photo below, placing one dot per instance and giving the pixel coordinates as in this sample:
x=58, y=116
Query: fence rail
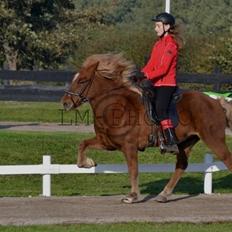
x=49, y=92
x=46, y=169
x=66, y=76
x=47, y=76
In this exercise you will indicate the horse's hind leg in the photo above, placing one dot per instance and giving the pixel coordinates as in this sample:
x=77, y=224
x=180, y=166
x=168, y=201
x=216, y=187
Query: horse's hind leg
x=82, y=160
x=181, y=165
x=218, y=146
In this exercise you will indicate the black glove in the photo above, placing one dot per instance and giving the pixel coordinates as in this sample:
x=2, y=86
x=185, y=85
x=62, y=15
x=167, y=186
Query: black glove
x=137, y=77
x=140, y=75
x=146, y=84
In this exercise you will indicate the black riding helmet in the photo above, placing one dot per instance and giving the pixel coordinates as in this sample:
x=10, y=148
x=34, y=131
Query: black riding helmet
x=165, y=18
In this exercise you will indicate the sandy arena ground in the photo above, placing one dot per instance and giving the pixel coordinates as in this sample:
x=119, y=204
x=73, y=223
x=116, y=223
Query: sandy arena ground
x=109, y=209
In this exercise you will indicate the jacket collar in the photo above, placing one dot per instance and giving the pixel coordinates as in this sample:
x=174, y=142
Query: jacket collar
x=167, y=38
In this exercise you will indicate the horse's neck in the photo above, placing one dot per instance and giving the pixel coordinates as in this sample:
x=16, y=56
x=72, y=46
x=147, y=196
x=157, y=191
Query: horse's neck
x=117, y=90
x=119, y=95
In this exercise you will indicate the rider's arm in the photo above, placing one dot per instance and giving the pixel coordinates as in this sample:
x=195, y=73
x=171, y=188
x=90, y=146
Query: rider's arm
x=169, y=54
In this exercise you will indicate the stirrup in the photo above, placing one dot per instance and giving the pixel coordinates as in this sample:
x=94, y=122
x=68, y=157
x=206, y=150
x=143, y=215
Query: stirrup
x=169, y=148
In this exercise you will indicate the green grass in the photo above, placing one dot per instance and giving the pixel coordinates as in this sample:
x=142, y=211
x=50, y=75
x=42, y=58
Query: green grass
x=42, y=112
x=128, y=227
x=29, y=147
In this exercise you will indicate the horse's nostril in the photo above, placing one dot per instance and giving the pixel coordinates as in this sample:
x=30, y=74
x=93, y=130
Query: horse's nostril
x=65, y=105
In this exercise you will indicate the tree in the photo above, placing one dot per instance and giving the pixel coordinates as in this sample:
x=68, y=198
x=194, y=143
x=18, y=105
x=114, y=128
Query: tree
x=55, y=33
x=223, y=56
x=35, y=32
x=112, y=11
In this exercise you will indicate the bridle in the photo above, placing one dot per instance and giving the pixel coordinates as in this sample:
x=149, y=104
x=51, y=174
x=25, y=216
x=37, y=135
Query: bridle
x=80, y=93
x=85, y=87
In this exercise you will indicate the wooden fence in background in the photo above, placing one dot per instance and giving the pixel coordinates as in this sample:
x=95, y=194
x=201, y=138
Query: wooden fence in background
x=50, y=85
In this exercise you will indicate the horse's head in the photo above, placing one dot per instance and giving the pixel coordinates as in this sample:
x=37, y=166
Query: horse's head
x=80, y=88
x=111, y=71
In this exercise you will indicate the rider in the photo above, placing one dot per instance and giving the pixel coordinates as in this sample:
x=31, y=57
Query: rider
x=161, y=71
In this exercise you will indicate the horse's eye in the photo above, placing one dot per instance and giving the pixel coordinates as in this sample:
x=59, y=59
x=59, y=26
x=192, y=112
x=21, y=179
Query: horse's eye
x=82, y=81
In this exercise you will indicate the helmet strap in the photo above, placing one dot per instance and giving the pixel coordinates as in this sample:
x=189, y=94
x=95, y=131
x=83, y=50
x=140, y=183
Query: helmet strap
x=164, y=32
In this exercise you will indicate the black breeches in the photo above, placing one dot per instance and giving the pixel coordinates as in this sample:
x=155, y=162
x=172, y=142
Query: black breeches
x=161, y=100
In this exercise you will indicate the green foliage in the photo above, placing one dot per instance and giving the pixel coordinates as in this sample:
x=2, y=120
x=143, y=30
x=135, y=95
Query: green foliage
x=42, y=34
x=194, y=58
x=60, y=34
x=134, y=35
x=223, y=56
x=134, y=44
x=113, y=11
x=32, y=33
x=203, y=16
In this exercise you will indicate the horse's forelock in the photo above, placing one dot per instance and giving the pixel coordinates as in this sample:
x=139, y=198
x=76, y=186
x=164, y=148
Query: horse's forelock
x=75, y=77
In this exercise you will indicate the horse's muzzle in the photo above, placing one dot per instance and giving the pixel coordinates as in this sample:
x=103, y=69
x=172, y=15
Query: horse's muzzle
x=67, y=106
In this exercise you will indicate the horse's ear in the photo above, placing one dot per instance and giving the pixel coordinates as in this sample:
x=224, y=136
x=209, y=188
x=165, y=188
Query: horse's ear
x=93, y=67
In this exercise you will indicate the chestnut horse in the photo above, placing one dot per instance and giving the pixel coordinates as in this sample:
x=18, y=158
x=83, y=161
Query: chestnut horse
x=121, y=122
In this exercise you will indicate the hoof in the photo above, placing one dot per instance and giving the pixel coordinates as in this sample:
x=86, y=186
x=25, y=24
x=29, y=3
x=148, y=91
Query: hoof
x=131, y=198
x=161, y=199
x=89, y=163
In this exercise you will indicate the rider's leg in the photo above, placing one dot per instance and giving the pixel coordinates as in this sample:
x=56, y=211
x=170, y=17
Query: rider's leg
x=162, y=102
x=170, y=136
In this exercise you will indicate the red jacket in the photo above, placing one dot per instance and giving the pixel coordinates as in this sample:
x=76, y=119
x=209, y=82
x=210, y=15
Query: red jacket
x=161, y=67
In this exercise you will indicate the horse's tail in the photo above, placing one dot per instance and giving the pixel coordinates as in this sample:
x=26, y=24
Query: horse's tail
x=227, y=106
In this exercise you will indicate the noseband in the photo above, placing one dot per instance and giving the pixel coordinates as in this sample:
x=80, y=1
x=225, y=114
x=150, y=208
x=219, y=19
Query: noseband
x=79, y=94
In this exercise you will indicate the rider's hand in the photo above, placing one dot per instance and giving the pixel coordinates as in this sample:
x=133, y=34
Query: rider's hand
x=146, y=84
x=140, y=75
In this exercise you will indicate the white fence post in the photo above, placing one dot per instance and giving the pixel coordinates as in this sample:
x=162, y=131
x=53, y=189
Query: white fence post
x=208, y=177
x=167, y=6
x=46, y=177
x=46, y=169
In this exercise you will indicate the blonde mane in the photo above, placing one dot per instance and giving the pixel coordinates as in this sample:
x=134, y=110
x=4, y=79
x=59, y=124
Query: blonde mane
x=111, y=65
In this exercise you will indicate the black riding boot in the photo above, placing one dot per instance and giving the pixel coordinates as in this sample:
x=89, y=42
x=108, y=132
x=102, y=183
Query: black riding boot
x=171, y=141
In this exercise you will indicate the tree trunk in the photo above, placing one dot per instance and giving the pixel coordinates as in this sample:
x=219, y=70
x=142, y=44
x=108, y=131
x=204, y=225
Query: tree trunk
x=11, y=60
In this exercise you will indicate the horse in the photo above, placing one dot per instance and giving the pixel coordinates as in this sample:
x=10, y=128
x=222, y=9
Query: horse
x=121, y=122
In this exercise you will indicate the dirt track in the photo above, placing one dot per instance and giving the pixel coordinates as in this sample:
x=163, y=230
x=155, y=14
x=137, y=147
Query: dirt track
x=70, y=210
x=53, y=127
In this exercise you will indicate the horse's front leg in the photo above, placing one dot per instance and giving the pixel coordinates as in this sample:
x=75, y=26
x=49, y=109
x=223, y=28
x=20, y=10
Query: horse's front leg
x=131, y=154
x=82, y=160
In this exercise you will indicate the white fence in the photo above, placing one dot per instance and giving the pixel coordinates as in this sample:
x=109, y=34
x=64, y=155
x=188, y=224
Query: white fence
x=46, y=169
